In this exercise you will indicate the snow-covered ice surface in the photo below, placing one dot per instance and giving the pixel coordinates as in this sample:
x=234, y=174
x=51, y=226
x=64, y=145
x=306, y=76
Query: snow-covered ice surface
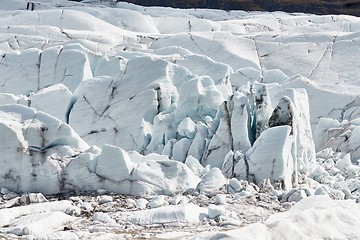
x=119, y=121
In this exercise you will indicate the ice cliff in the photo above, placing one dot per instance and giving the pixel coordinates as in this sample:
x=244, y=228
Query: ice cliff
x=181, y=101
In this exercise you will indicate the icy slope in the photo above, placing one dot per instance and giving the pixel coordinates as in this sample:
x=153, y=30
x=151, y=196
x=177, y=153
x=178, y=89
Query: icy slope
x=337, y=221
x=124, y=99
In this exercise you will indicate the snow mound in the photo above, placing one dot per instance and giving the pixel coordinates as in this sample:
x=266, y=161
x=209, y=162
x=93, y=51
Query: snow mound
x=318, y=216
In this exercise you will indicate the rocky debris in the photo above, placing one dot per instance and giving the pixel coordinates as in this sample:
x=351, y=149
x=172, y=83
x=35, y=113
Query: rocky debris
x=212, y=181
x=112, y=213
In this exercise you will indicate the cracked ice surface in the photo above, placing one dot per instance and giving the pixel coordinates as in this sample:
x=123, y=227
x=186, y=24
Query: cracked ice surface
x=159, y=101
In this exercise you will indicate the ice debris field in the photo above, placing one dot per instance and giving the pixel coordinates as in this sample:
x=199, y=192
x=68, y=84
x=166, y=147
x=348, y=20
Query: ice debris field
x=119, y=122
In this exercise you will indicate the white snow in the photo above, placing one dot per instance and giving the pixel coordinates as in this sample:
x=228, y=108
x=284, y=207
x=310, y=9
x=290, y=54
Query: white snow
x=318, y=216
x=10, y=214
x=167, y=214
x=177, y=106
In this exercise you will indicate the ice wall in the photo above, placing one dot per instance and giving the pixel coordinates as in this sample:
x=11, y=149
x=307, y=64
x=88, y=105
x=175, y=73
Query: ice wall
x=231, y=92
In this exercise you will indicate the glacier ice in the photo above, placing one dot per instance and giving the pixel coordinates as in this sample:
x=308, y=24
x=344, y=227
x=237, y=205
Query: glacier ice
x=151, y=101
x=270, y=157
x=36, y=148
x=44, y=154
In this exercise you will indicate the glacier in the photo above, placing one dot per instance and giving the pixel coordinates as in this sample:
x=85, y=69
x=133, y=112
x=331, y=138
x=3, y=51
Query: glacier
x=171, y=107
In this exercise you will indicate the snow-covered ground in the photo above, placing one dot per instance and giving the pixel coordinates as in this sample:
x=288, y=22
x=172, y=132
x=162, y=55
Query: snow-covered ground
x=120, y=121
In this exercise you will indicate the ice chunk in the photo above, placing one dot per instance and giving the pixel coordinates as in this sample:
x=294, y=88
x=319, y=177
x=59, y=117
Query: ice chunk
x=36, y=198
x=114, y=164
x=105, y=199
x=212, y=181
x=220, y=198
x=270, y=157
x=158, y=201
x=234, y=185
x=304, y=149
x=188, y=213
x=166, y=177
x=194, y=165
x=10, y=214
x=215, y=211
x=41, y=223
x=187, y=128
x=104, y=218
x=297, y=195
x=141, y=203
